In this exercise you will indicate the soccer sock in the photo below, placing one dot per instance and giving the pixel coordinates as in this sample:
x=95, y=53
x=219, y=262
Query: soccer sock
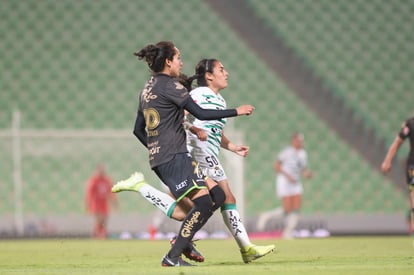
x=194, y=220
x=218, y=196
x=96, y=230
x=102, y=232
x=158, y=219
x=159, y=199
x=99, y=231
x=266, y=216
x=233, y=222
x=412, y=221
x=291, y=221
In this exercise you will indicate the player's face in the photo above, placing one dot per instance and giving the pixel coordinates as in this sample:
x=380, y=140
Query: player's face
x=176, y=64
x=219, y=76
x=298, y=142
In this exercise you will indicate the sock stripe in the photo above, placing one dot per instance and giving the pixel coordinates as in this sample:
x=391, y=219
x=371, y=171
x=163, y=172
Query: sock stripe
x=171, y=209
x=228, y=206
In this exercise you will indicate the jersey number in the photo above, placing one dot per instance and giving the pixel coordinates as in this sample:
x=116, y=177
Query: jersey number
x=212, y=161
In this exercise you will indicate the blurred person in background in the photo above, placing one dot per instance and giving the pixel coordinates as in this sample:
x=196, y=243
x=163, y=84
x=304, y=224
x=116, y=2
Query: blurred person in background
x=98, y=199
x=290, y=166
x=406, y=131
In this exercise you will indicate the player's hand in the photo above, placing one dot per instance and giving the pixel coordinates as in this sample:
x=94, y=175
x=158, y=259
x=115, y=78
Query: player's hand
x=308, y=174
x=200, y=133
x=242, y=150
x=290, y=178
x=385, y=167
x=244, y=110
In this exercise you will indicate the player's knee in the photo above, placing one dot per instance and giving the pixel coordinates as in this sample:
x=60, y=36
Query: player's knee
x=218, y=196
x=178, y=214
x=203, y=203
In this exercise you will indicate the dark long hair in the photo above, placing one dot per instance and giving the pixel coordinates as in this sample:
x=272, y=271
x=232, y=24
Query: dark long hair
x=202, y=67
x=155, y=55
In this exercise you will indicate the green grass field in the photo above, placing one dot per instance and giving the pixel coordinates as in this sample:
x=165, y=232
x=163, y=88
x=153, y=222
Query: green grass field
x=348, y=255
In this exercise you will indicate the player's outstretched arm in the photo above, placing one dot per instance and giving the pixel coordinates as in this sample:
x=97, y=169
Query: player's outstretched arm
x=208, y=114
x=240, y=150
x=244, y=110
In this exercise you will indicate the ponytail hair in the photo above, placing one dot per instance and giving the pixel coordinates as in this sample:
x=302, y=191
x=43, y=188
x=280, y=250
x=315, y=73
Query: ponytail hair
x=155, y=55
x=186, y=81
x=203, y=66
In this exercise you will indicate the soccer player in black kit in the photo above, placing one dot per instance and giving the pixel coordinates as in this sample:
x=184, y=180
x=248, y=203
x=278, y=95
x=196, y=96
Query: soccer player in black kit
x=407, y=131
x=159, y=127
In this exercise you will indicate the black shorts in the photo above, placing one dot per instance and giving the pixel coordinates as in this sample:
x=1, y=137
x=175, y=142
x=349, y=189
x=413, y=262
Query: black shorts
x=181, y=175
x=410, y=176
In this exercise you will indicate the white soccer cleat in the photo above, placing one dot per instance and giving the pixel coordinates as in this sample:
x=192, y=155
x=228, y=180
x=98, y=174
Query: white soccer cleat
x=133, y=183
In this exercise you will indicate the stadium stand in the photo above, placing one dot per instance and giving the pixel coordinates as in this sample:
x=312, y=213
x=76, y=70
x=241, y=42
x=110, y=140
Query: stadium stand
x=362, y=48
x=68, y=66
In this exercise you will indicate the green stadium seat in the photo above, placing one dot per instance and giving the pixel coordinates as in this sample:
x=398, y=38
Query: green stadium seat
x=80, y=74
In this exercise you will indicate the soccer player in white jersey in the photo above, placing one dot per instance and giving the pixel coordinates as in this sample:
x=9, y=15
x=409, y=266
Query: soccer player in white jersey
x=205, y=139
x=290, y=166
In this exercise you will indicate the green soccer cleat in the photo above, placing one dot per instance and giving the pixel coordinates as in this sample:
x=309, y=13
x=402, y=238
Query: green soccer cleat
x=255, y=252
x=133, y=183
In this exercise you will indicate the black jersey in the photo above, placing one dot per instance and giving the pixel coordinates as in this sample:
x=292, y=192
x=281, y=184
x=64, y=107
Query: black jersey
x=407, y=131
x=161, y=104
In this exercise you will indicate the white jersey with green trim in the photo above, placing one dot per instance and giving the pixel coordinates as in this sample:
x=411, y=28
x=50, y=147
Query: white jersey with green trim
x=206, y=152
x=207, y=99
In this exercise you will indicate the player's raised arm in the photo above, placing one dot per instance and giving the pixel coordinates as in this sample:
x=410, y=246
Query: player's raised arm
x=208, y=114
x=245, y=110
